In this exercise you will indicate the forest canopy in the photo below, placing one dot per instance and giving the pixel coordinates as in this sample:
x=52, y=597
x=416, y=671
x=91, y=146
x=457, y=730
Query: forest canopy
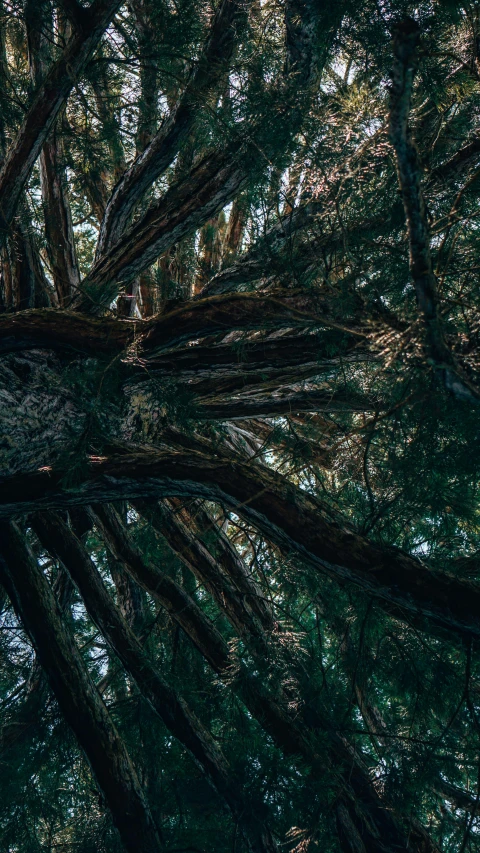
x=239, y=426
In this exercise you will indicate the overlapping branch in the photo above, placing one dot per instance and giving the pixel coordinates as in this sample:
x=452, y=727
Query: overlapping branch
x=285, y=514
x=210, y=69
x=48, y=100
x=79, y=700
x=171, y=708
x=406, y=38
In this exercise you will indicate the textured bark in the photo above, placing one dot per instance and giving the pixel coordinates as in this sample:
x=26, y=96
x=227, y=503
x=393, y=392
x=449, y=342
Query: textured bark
x=285, y=514
x=211, y=67
x=76, y=694
x=283, y=401
x=35, y=413
x=213, y=315
x=269, y=360
x=172, y=708
x=407, y=35
x=46, y=105
x=184, y=208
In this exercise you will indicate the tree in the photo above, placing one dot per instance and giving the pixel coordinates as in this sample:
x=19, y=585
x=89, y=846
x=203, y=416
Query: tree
x=240, y=383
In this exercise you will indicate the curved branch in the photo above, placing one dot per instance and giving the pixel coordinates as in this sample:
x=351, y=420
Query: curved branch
x=285, y=514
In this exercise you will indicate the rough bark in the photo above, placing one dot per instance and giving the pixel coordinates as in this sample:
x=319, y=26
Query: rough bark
x=184, y=208
x=77, y=696
x=213, y=315
x=172, y=708
x=46, y=105
x=285, y=514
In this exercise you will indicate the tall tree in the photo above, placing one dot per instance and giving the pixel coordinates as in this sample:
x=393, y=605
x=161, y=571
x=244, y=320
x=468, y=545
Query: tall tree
x=239, y=386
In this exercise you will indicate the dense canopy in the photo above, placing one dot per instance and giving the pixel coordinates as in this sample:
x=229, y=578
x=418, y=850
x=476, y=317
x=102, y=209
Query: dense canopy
x=239, y=426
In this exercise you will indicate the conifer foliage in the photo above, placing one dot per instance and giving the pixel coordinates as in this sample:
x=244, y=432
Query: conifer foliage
x=239, y=441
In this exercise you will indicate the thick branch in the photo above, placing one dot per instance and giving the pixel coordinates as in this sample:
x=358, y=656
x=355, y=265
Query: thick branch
x=172, y=709
x=84, y=710
x=192, y=552
x=47, y=103
x=285, y=514
x=178, y=604
x=51, y=329
x=257, y=403
x=210, y=69
x=184, y=207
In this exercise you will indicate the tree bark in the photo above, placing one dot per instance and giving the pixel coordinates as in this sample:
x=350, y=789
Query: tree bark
x=46, y=105
x=172, y=708
x=285, y=514
x=76, y=694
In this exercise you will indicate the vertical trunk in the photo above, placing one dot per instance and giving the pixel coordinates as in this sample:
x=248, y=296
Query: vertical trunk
x=77, y=696
x=234, y=232
x=58, y=221
x=147, y=108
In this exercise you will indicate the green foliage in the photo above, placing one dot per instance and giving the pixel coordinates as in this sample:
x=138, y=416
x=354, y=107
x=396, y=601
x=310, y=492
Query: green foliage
x=402, y=697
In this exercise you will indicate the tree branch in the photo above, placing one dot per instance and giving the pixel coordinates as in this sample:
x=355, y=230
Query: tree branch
x=47, y=103
x=284, y=513
x=76, y=694
x=210, y=69
x=171, y=708
x=406, y=38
